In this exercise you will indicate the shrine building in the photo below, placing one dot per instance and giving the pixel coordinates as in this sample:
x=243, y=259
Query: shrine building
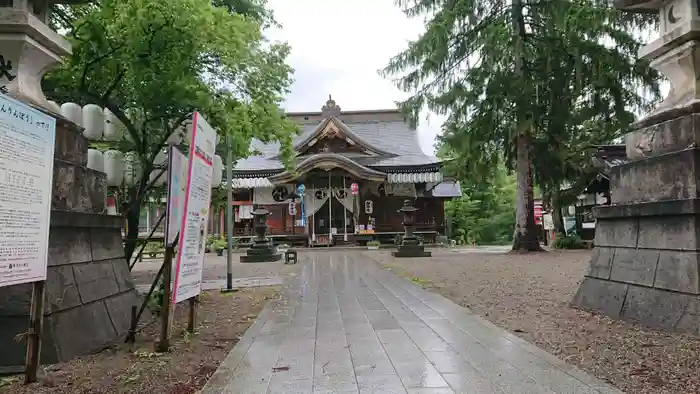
x=353, y=170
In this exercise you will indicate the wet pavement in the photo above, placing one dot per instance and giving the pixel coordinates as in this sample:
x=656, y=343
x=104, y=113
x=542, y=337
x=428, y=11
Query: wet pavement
x=347, y=326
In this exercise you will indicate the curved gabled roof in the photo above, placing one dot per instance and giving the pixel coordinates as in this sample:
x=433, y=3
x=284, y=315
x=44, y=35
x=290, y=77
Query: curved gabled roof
x=318, y=132
x=327, y=161
x=395, y=137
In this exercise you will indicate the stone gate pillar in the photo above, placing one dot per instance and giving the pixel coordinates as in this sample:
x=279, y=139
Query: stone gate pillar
x=644, y=267
x=89, y=289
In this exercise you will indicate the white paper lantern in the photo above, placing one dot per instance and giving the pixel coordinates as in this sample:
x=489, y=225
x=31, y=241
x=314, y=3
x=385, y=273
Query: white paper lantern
x=93, y=122
x=114, y=129
x=55, y=107
x=132, y=168
x=218, y=169
x=95, y=160
x=72, y=112
x=114, y=167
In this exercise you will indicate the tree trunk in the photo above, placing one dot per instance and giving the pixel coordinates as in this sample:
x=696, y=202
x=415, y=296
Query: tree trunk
x=557, y=217
x=133, y=213
x=133, y=217
x=525, y=237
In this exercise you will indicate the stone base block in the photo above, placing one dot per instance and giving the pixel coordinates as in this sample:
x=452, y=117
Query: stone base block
x=411, y=252
x=648, y=306
x=261, y=258
x=78, y=189
x=89, y=292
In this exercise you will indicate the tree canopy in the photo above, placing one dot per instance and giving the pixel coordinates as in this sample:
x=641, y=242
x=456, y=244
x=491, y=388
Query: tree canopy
x=528, y=84
x=152, y=63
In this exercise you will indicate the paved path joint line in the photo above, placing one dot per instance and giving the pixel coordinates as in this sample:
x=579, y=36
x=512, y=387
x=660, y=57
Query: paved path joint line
x=347, y=326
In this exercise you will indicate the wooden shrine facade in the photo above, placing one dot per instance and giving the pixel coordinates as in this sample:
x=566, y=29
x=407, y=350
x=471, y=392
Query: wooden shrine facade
x=375, y=151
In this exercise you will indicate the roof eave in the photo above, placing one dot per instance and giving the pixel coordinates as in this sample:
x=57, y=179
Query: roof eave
x=328, y=161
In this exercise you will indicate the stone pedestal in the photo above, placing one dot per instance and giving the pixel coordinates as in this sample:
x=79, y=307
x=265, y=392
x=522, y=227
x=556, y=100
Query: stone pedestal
x=645, y=265
x=89, y=290
x=644, y=268
x=411, y=250
x=262, y=251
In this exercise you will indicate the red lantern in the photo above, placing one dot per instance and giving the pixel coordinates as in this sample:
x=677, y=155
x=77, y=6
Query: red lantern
x=354, y=188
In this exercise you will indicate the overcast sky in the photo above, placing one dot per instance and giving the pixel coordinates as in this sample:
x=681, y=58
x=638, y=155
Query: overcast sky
x=337, y=48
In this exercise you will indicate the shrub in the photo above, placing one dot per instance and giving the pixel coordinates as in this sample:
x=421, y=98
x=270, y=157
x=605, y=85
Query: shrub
x=156, y=299
x=220, y=244
x=568, y=242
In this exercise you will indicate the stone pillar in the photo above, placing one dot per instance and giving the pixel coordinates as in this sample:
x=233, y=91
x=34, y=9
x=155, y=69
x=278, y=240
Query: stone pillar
x=28, y=49
x=644, y=267
x=89, y=289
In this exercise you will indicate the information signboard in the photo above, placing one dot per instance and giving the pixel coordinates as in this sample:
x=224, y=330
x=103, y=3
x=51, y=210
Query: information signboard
x=193, y=228
x=177, y=189
x=27, y=139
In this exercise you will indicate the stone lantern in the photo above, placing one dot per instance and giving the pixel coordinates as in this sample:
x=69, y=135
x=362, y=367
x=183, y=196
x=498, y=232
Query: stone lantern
x=644, y=267
x=410, y=244
x=29, y=48
x=261, y=250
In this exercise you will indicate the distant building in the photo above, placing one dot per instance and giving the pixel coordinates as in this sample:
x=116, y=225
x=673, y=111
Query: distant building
x=376, y=150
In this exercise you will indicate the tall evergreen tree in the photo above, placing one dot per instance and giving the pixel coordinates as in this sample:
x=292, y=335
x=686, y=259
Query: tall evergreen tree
x=522, y=82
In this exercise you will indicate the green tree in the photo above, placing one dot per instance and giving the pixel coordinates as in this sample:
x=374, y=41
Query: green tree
x=152, y=63
x=520, y=81
x=485, y=213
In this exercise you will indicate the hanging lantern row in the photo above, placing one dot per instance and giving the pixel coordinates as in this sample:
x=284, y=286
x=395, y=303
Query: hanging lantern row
x=125, y=168
x=98, y=123
x=101, y=124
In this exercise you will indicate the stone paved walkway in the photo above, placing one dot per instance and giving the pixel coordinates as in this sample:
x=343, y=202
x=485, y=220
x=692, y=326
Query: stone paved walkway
x=347, y=326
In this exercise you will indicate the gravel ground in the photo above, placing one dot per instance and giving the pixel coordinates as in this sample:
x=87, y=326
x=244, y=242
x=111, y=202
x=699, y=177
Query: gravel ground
x=529, y=294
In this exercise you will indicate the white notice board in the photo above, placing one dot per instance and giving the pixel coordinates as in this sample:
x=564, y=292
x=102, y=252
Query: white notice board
x=27, y=139
x=177, y=187
x=193, y=230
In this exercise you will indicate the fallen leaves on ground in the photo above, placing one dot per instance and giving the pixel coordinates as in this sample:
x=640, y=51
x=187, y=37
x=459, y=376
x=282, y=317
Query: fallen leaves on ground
x=138, y=369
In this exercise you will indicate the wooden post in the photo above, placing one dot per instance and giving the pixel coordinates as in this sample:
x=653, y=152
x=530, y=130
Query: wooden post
x=192, y=316
x=131, y=336
x=36, y=325
x=165, y=306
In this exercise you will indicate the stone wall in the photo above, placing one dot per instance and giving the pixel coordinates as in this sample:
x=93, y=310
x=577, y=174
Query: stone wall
x=89, y=290
x=645, y=265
